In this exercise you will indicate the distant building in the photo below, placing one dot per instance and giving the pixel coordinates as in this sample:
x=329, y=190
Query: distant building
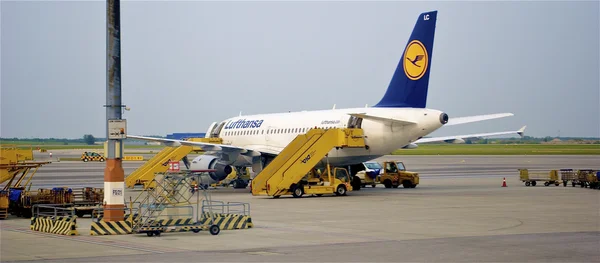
x=183, y=136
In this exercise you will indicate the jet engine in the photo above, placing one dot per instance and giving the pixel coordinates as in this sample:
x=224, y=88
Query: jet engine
x=456, y=141
x=410, y=146
x=204, y=162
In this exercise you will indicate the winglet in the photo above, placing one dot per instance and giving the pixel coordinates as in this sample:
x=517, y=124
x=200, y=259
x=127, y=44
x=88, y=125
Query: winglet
x=521, y=132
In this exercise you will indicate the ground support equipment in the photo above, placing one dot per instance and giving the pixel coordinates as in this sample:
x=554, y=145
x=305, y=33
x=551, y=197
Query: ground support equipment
x=160, y=162
x=285, y=174
x=530, y=178
x=175, y=196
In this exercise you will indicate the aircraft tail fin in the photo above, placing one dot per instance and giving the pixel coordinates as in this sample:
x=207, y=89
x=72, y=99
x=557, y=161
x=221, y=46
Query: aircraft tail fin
x=408, y=87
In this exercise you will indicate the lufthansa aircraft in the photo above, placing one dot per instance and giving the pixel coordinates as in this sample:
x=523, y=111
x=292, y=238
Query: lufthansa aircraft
x=398, y=120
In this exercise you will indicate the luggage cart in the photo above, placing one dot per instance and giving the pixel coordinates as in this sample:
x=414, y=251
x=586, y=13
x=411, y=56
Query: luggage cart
x=530, y=178
x=586, y=177
x=567, y=175
x=594, y=180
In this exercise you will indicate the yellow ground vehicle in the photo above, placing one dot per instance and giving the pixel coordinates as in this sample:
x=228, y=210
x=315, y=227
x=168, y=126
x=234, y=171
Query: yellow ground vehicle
x=290, y=172
x=327, y=182
x=395, y=174
x=92, y=156
x=392, y=174
x=530, y=178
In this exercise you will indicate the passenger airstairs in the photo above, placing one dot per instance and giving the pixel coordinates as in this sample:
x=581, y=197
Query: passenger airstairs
x=160, y=163
x=302, y=155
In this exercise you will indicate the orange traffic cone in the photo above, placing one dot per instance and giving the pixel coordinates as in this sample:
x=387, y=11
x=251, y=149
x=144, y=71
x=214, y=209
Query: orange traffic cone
x=504, y=182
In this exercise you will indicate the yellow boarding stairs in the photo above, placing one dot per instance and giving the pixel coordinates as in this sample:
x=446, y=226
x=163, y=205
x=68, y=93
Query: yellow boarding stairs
x=300, y=157
x=160, y=162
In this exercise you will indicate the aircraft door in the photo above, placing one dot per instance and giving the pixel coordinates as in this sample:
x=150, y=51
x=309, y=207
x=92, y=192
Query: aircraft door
x=355, y=122
x=217, y=130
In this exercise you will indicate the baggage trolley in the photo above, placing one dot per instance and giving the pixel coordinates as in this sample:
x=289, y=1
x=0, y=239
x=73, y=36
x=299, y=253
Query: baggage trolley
x=530, y=178
x=567, y=175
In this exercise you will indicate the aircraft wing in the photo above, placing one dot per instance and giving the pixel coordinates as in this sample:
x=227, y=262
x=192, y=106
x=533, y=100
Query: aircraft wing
x=520, y=132
x=203, y=145
x=469, y=119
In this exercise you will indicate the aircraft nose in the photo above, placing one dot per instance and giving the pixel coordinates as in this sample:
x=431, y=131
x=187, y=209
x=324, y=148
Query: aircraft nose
x=443, y=118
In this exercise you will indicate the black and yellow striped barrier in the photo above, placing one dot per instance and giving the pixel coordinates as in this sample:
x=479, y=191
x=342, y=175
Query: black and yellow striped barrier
x=175, y=222
x=62, y=225
x=133, y=158
x=228, y=221
x=110, y=228
x=136, y=217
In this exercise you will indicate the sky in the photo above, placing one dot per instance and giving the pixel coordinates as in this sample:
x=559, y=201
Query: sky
x=187, y=64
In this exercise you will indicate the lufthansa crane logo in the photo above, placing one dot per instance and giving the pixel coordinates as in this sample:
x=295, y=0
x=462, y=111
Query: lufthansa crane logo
x=415, y=60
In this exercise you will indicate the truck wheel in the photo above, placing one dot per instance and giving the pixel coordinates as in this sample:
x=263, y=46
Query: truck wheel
x=564, y=183
x=387, y=184
x=373, y=185
x=406, y=184
x=79, y=213
x=546, y=183
x=356, y=183
x=533, y=183
x=341, y=190
x=527, y=183
x=298, y=191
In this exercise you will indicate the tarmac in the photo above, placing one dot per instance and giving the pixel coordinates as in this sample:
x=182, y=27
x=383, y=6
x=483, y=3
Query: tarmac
x=458, y=213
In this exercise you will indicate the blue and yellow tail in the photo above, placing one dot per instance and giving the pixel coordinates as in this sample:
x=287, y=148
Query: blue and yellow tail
x=409, y=84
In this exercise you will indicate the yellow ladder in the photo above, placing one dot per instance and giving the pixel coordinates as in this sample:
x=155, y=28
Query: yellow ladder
x=160, y=162
x=300, y=156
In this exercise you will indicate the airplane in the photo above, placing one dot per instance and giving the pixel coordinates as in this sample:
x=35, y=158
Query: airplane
x=399, y=120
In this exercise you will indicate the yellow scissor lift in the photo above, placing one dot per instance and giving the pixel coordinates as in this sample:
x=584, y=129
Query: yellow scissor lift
x=284, y=175
x=160, y=162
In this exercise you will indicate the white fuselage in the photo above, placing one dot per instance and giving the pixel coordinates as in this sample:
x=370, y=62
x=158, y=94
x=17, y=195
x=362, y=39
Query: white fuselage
x=270, y=133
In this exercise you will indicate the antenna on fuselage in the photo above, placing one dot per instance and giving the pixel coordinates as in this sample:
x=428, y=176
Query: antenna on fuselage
x=333, y=107
x=366, y=105
x=240, y=114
